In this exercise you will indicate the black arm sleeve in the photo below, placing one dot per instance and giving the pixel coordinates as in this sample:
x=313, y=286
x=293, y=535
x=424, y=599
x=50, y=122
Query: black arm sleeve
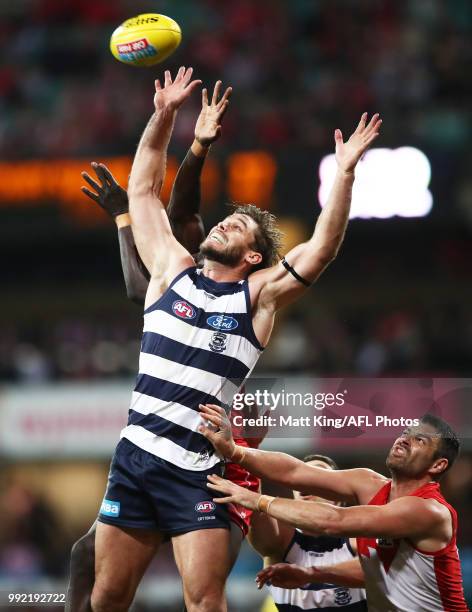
x=184, y=204
x=134, y=271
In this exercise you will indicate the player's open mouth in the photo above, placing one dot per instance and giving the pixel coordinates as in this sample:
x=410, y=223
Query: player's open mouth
x=216, y=238
x=399, y=450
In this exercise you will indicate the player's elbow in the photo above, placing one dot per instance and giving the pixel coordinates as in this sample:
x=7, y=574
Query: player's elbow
x=328, y=253
x=135, y=295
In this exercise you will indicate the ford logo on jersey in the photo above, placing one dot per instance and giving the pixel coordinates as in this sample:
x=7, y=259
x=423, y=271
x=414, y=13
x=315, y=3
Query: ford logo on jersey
x=222, y=322
x=183, y=310
x=205, y=506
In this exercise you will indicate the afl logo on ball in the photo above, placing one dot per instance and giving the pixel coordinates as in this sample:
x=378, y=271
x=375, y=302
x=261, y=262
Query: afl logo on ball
x=183, y=310
x=205, y=507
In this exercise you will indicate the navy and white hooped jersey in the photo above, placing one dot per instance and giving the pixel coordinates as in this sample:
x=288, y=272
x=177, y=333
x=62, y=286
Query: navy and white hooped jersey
x=198, y=347
x=318, y=551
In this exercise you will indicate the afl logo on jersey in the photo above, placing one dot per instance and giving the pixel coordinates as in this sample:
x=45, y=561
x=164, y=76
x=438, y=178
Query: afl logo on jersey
x=223, y=322
x=205, y=507
x=183, y=310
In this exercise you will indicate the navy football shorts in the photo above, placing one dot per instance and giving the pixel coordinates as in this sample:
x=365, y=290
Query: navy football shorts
x=147, y=492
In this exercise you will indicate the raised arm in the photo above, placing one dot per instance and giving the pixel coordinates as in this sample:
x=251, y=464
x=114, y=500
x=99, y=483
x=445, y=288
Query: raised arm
x=276, y=286
x=113, y=199
x=184, y=205
x=161, y=253
x=354, y=486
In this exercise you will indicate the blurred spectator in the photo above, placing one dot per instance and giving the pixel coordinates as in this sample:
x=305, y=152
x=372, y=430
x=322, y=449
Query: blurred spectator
x=32, y=542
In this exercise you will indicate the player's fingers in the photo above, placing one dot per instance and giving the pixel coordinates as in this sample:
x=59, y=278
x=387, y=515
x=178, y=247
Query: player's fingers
x=371, y=139
x=262, y=578
x=226, y=96
x=102, y=175
x=223, y=500
x=362, y=122
x=215, y=487
x=206, y=432
x=212, y=407
x=376, y=126
x=222, y=111
x=193, y=85
x=180, y=73
x=206, y=409
x=187, y=75
x=216, y=93
x=338, y=137
x=157, y=85
x=263, y=573
x=214, y=478
x=90, y=181
x=204, y=97
x=167, y=78
x=90, y=194
x=107, y=174
x=214, y=419
x=372, y=122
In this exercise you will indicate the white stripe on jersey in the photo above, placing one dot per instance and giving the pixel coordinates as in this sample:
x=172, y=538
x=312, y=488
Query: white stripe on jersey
x=199, y=298
x=171, y=411
x=237, y=347
x=201, y=380
x=166, y=449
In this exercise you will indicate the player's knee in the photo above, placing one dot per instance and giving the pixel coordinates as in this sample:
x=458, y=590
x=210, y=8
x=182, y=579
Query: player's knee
x=205, y=599
x=83, y=552
x=110, y=598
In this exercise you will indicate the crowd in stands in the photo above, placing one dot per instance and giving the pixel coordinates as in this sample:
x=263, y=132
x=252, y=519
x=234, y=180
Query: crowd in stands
x=293, y=66
x=316, y=341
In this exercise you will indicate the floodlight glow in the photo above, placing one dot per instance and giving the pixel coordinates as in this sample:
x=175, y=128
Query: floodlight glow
x=389, y=183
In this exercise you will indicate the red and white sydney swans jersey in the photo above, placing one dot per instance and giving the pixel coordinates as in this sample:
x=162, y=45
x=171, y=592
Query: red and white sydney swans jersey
x=401, y=578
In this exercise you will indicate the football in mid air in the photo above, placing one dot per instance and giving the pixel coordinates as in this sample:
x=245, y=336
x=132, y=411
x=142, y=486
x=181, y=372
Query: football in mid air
x=145, y=40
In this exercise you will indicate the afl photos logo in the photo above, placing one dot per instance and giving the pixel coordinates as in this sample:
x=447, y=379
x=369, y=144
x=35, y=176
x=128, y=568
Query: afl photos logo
x=205, y=506
x=183, y=310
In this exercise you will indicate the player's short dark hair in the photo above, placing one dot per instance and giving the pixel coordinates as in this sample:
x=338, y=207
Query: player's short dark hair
x=449, y=444
x=268, y=236
x=331, y=462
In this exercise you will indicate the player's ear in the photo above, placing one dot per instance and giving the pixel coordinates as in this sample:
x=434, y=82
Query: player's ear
x=253, y=258
x=439, y=466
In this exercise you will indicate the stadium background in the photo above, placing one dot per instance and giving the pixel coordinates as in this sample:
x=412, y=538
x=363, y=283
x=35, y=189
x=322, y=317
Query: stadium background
x=397, y=302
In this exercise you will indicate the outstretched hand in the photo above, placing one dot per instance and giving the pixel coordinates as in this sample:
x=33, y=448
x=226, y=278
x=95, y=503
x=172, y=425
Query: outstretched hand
x=283, y=575
x=208, y=126
x=349, y=153
x=174, y=93
x=108, y=192
x=232, y=493
x=216, y=428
